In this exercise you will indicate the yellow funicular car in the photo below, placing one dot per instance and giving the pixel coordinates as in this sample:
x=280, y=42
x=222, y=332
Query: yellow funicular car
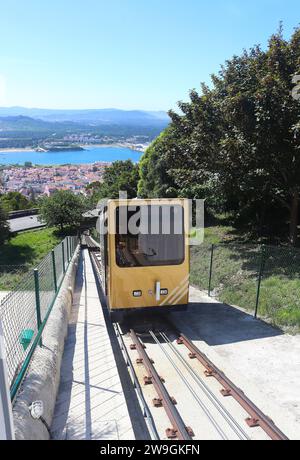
x=145, y=261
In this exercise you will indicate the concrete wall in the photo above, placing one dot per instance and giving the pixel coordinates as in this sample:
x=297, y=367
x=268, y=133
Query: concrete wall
x=43, y=377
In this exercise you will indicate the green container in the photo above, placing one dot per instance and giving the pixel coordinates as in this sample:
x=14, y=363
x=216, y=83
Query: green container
x=26, y=338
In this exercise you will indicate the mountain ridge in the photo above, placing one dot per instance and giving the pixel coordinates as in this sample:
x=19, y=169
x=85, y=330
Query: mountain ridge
x=89, y=116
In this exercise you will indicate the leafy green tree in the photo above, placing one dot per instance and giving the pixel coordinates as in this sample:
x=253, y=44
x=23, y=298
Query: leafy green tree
x=4, y=229
x=62, y=209
x=259, y=154
x=120, y=176
x=155, y=177
x=14, y=201
x=237, y=143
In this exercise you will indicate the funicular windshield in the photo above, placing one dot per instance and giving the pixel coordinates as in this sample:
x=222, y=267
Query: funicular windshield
x=150, y=235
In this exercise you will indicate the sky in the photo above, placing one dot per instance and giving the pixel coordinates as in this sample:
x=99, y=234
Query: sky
x=127, y=54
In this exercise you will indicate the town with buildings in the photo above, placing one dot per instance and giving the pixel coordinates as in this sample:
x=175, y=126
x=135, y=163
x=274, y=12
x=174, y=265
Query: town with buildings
x=45, y=180
x=138, y=143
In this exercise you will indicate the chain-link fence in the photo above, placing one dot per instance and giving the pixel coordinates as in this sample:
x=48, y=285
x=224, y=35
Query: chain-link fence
x=262, y=279
x=10, y=275
x=25, y=310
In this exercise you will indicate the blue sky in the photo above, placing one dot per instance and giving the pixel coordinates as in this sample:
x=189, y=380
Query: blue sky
x=129, y=54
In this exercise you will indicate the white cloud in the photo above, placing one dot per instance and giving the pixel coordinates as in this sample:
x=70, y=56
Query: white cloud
x=2, y=90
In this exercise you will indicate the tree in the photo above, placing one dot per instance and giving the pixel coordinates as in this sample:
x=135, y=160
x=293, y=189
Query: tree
x=260, y=146
x=62, y=209
x=155, y=179
x=120, y=176
x=237, y=143
x=14, y=201
x=4, y=229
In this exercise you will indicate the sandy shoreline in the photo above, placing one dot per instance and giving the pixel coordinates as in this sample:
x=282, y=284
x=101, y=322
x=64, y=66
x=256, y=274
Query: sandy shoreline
x=27, y=149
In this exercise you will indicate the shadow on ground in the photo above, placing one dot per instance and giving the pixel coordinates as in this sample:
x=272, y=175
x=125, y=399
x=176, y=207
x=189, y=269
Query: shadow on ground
x=219, y=324
x=212, y=322
x=17, y=255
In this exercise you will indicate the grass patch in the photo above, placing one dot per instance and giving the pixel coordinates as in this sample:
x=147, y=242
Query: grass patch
x=23, y=252
x=235, y=274
x=218, y=234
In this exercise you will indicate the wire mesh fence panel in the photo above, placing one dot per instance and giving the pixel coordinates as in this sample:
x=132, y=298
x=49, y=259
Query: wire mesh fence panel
x=46, y=285
x=58, y=254
x=74, y=243
x=200, y=265
x=279, y=298
x=10, y=276
x=66, y=251
x=18, y=315
x=235, y=273
x=24, y=309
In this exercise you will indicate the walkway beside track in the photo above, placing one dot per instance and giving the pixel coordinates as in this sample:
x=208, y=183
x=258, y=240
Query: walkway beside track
x=90, y=403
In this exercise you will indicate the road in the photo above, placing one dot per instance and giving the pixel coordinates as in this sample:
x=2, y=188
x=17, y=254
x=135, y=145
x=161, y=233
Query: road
x=25, y=223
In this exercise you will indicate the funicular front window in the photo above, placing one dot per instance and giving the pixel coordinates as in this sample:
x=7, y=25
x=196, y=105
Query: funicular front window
x=150, y=235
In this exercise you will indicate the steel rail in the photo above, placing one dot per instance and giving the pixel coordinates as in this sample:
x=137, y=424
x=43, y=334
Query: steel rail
x=196, y=397
x=257, y=417
x=178, y=425
x=146, y=411
x=214, y=400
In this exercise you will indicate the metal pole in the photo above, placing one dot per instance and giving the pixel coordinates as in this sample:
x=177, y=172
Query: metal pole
x=68, y=249
x=260, y=275
x=37, y=301
x=63, y=256
x=211, y=268
x=6, y=417
x=54, y=270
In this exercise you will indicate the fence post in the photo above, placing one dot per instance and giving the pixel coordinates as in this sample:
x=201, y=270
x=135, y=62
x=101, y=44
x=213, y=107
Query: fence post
x=63, y=256
x=68, y=250
x=260, y=275
x=211, y=268
x=54, y=270
x=6, y=416
x=37, y=301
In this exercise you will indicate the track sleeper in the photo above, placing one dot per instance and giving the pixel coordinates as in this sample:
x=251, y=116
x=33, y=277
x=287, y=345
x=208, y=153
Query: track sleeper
x=226, y=392
x=171, y=433
x=157, y=402
x=190, y=431
x=252, y=422
x=148, y=380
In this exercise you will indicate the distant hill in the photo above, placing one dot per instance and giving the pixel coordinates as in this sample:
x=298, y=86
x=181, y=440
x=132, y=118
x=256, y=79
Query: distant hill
x=93, y=117
x=19, y=130
x=23, y=123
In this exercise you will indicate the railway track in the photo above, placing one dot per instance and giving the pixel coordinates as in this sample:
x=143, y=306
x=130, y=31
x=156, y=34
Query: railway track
x=182, y=393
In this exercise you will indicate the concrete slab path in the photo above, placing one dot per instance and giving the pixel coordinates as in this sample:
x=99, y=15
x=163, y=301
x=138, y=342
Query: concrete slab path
x=25, y=223
x=91, y=403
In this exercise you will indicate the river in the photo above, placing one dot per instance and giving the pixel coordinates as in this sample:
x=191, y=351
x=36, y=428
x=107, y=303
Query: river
x=89, y=155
